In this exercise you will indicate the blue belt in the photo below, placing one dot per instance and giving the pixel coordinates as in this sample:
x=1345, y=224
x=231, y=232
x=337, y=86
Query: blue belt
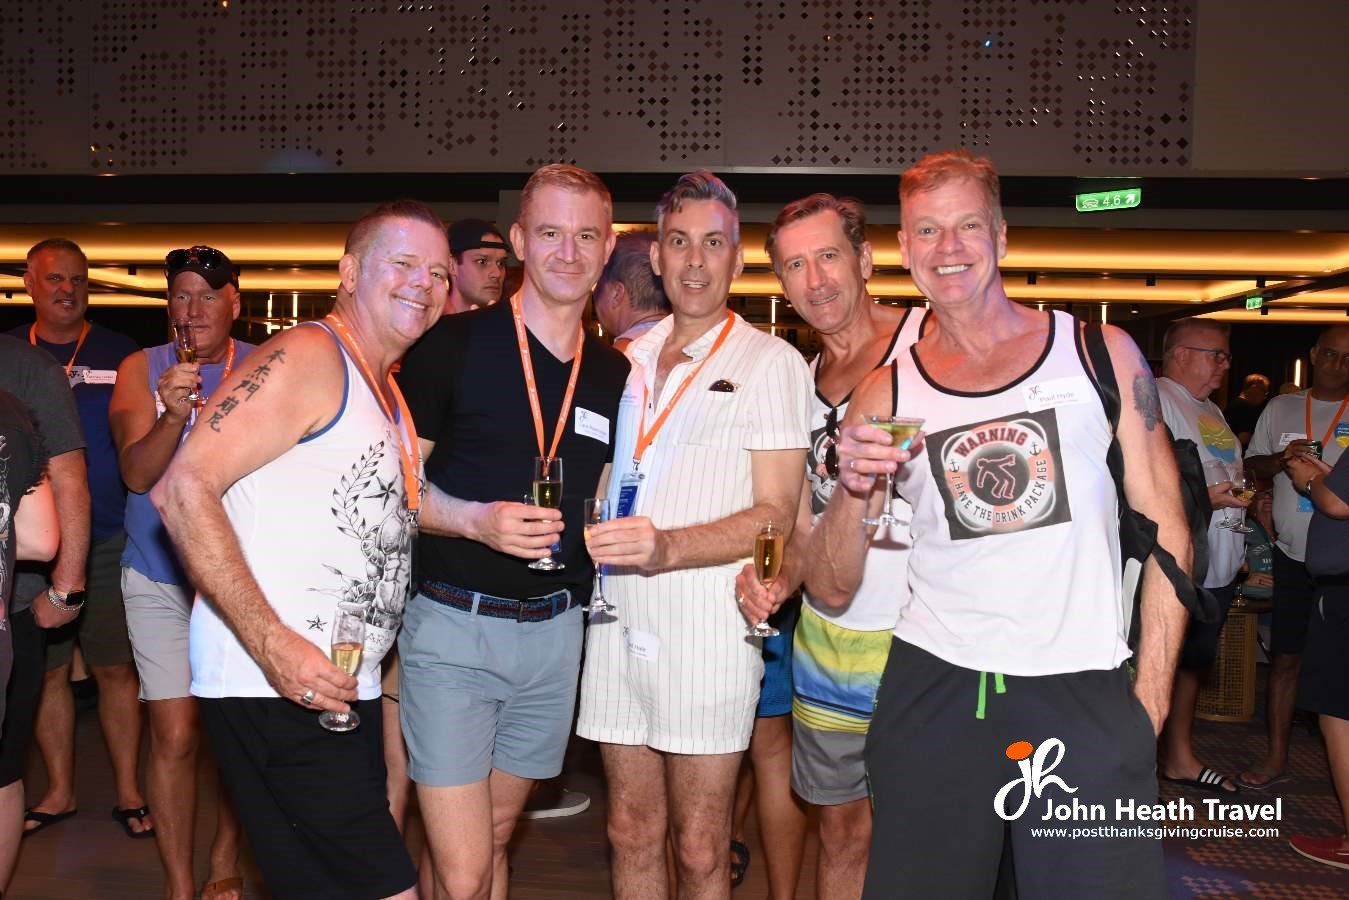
x=531, y=609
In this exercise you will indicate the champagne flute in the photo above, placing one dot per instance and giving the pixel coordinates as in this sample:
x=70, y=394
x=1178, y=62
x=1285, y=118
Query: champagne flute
x=1217, y=472
x=1243, y=488
x=185, y=345
x=902, y=432
x=596, y=511
x=768, y=547
x=548, y=494
x=347, y=642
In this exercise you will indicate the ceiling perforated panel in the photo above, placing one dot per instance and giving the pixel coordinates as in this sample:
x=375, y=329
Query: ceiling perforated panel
x=1045, y=86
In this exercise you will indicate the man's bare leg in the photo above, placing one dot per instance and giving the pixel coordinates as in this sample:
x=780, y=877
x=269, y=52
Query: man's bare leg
x=469, y=828
x=845, y=838
x=224, y=856
x=1280, y=704
x=54, y=732
x=171, y=782
x=702, y=792
x=119, y=712
x=11, y=830
x=1336, y=733
x=1178, y=759
x=637, y=822
x=782, y=818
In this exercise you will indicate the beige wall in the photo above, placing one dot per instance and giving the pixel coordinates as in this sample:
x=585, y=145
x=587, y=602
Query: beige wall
x=1272, y=81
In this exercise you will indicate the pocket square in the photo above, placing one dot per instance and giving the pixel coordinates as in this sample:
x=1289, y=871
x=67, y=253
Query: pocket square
x=722, y=386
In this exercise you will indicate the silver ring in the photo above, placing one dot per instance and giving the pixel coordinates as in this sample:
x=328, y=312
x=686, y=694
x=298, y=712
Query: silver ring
x=307, y=698
x=739, y=599
x=852, y=465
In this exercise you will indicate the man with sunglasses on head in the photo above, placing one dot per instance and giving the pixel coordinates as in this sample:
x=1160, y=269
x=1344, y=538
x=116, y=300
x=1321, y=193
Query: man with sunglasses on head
x=820, y=253
x=151, y=414
x=57, y=278
x=1286, y=430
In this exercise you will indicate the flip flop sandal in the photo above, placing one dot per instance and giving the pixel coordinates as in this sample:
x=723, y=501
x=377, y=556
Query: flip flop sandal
x=124, y=816
x=1271, y=779
x=212, y=890
x=43, y=820
x=1208, y=780
x=739, y=863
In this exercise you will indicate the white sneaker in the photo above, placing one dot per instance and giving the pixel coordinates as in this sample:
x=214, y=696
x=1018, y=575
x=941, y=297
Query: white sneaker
x=570, y=803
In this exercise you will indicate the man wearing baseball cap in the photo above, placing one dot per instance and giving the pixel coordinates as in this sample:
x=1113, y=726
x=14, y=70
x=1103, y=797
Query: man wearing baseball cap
x=478, y=267
x=154, y=407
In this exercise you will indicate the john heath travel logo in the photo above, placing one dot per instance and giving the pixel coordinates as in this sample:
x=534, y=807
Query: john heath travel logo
x=1035, y=764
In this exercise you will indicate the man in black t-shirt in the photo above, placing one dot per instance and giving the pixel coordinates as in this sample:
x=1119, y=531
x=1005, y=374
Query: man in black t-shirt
x=490, y=649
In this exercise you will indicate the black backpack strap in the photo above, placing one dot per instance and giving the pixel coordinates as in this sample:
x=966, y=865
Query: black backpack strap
x=1137, y=530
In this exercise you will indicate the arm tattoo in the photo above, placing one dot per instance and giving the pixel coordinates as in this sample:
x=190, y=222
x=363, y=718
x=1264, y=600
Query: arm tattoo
x=251, y=384
x=1146, y=401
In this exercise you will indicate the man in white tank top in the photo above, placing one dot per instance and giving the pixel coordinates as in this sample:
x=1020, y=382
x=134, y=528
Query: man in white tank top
x=299, y=489
x=820, y=254
x=1014, y=576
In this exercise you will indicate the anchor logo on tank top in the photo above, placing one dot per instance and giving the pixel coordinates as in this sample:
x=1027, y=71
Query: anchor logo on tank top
x=1001, y=475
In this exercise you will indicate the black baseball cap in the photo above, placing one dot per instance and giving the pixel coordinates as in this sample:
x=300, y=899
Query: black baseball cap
x=471, y=234
x=208, y=262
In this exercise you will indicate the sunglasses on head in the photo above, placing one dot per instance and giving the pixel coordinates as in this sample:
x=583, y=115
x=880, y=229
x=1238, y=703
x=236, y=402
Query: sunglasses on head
x=831, y=451
x=206, y=257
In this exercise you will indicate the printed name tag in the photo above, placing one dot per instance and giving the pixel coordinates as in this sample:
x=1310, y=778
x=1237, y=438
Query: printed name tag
x=641, y=645
x=592, y=425
x=628, y=486
x=1066, y=391
x=100, y=376
x=1289, y=436
x=1342, y=434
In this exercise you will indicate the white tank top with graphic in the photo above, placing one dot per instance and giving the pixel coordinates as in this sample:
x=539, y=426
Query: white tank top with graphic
x=323, y=523
x=885, y=586
x=1015, y=566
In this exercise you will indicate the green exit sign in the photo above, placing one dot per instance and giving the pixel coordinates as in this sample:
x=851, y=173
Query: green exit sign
x=1104, y=200
x=1255, y=302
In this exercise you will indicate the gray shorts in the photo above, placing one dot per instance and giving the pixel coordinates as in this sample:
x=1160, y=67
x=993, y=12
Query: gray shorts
x=157, y=617
x=101, y=626
x=478, y=693
x=827, y=766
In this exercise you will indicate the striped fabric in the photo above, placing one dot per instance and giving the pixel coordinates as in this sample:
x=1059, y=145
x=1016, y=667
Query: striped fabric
x=672, y=668
x=836, y=672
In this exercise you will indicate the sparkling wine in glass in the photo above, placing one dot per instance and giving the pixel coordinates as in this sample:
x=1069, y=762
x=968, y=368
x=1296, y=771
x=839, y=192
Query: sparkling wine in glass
x=902, y=432
x=347, y=642
x=768, y=547
x=185, y=345
x=548, y=493
x=1243, y=488
x=596, y=511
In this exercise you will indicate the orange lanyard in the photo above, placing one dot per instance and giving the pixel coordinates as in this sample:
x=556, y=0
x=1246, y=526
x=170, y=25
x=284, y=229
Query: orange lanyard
x=527, y=363
x=84, y=333
x=1330, y=430
x=409, y=451
x=645, y=437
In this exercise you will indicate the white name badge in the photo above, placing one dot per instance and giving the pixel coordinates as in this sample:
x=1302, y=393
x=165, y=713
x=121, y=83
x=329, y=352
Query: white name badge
x=641, y=645
x=1067, y=391
x=1289, y=436
x=592, y=425
x=100, y=376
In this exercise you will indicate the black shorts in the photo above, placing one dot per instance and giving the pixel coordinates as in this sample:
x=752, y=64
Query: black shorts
x=1201, y=638
x=21, y=696
x=935, y=770
x=312, y=802
x=1293, y=596
x=1325, y=660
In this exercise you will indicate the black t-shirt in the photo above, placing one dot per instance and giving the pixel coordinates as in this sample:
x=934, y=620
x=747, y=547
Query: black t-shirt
x=465, y=386
x=1242, y=415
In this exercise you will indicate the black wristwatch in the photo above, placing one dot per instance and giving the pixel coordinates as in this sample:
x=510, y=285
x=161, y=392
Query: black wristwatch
x=65, y=602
